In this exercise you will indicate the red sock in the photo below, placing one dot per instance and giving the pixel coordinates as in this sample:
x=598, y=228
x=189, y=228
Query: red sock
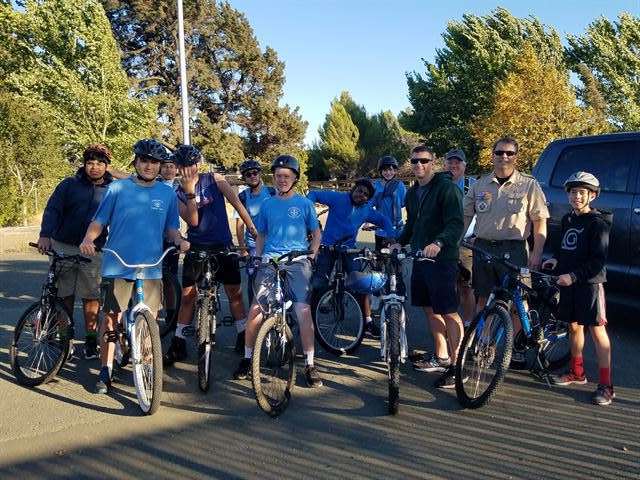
x=577, y=366
x=605, y=376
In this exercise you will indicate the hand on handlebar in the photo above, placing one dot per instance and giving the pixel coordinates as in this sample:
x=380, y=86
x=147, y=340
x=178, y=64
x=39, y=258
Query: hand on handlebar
x=87, y=248
x=432, y=250
x=44, y=244
x=183, y=246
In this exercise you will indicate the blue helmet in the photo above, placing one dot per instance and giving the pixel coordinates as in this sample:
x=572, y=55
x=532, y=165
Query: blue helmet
x=187, y=155
x=366, y=282
x=151, y=148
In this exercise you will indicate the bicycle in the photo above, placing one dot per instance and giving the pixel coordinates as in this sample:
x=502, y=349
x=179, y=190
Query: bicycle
x=43, y=335
x=273, y=368
x=171, y=301
x=139, y=340
x=485, y=351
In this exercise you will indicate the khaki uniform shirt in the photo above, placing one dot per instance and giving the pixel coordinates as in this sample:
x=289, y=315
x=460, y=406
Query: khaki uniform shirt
x=505, y=212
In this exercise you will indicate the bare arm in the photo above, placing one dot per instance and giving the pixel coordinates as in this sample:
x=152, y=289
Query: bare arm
x=189, y=210
x=115, y=173
x=539, y=237
x=232, y=198
x=316, y=236
x=87, y=247
x=240, y=233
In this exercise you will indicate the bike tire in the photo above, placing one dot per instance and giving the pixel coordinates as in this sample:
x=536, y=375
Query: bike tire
x=171, y=301
x=487, y=351
x=339, y=331
x=50, y=352
x=146, y=355
x=392, y=319
x=273, y=367
x=205, y=343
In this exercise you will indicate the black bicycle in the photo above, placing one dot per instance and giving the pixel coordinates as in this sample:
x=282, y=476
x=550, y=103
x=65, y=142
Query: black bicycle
x=43, y=334
x=171, y=299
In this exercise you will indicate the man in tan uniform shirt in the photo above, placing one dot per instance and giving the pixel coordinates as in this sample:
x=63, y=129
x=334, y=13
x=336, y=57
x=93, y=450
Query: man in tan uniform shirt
x=508, y=205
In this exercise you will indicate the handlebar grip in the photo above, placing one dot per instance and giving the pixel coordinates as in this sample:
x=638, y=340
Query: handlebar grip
x=34, y=245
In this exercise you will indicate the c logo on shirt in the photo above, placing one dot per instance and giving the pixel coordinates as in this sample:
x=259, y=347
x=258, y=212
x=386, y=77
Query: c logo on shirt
x=294, y=212
x=157, y=205
x=570, y=239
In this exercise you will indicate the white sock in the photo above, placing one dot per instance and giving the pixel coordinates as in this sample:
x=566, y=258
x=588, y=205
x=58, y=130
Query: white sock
x=248, y=352
x=110, y=367
x=309, y=358
x=241, y=324
x=179, y=330
x=368, y=320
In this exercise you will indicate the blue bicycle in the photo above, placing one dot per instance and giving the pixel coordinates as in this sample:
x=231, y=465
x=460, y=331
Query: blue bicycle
x=485, y=352
x=139, y=341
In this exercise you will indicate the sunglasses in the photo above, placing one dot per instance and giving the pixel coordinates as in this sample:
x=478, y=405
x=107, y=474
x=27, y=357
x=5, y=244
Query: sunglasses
x=252, y=173
x=508, y=153
x=423, y=161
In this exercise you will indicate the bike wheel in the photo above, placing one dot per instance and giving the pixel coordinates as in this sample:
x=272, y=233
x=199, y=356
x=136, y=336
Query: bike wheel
x=273, y=367
x=146, y=356
x=205, y=344
x=171, y=300
x=392, y=340
x=484, y=357
x=40, y=343
x=338, y=324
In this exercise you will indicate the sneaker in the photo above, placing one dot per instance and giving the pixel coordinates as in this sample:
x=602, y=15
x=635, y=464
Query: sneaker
x=244, y=370
x=176, y=353
x=603, y=395
x=240, y=343
x=415, y=356
x=103, y=385
x=568, y=379
x=447, y=379
x=372, y=329
x=312, y=376
x=90, y=348
x=434, y=364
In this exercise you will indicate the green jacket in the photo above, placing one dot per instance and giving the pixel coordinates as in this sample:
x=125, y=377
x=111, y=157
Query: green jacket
x=437, y=216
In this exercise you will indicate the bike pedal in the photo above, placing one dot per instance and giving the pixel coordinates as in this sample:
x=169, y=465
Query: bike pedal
x=227, y=320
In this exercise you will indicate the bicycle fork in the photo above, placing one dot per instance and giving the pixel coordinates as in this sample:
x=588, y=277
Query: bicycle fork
x=384, y=351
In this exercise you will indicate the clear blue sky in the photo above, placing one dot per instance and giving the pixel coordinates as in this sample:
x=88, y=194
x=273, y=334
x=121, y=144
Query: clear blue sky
x=366, y=47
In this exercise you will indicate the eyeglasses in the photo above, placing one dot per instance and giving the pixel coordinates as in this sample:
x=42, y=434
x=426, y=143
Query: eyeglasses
x=251, y=173
x=423, y=161
x=508, y=153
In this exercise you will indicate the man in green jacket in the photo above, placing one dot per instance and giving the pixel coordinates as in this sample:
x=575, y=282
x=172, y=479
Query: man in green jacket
x=435, y=225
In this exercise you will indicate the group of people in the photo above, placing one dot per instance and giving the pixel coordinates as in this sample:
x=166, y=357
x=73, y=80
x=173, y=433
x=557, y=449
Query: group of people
x=138, y=216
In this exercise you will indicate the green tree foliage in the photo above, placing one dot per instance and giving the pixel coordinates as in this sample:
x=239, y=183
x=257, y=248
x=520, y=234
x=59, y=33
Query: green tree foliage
x=234, y=86
x=339, y=141
x=535, y=104
x=610, y=50
x=460, y=85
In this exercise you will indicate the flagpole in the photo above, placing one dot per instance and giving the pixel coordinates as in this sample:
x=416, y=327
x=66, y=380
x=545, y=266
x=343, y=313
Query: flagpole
x=183, y=77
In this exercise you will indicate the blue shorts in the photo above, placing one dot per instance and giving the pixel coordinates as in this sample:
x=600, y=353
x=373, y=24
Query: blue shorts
x=434, y=284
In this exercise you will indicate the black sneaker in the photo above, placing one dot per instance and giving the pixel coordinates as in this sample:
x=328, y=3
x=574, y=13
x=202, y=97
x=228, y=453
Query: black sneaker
x=176, y=353
x=447, y=379
x=240, y=343
x=312, y=376
x=244, y=369
x=372, y=329
x=90, y=348
x=434, y=364
x=103, y=385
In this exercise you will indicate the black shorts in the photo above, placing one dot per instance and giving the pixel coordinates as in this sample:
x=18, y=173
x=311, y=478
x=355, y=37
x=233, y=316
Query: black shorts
x=228, y=272
x=583, y=303
x=434, y=284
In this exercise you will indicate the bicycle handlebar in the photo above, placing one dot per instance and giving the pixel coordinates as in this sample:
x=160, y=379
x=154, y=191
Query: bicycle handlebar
x=142, y=265
x=53, y=253
x=403, y=254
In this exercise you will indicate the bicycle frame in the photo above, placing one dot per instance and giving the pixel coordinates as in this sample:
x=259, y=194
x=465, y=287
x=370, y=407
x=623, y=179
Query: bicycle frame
x=391, y=297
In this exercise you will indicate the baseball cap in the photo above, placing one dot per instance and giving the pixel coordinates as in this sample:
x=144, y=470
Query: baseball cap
x=456, y=153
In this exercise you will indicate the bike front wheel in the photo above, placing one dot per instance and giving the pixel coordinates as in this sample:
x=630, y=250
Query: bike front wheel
x=273, y=367
x=146, y=355
x=206, y=341
x=484, y=357
x=338, y=322
x=41, y=341
x=171, y=299
x=392, y=340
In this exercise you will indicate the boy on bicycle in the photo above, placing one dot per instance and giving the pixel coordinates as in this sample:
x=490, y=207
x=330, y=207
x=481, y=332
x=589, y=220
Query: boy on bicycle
x=283, y=225
x=139, y=212
x=579, y=260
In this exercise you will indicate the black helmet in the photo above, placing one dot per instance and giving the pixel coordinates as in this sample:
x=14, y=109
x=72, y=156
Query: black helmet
x=250, y=164
x=583, y=179
x=387, y=161
x=286, y=161
x=187, y=155
x=365, y=182
x=151, y=148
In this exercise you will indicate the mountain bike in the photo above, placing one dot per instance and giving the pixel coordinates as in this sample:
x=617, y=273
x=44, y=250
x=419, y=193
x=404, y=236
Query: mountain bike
x=43, y=335
x=485, y=351
x=273, y=367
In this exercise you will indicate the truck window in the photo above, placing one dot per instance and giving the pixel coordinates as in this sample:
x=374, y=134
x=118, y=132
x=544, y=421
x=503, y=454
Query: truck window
x=611, y=162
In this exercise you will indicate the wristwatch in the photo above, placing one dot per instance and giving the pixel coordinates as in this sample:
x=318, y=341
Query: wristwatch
x=438, y=243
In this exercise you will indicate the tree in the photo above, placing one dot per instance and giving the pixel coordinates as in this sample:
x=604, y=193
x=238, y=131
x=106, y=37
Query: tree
x=610, y=51
x=339, y=140
x=460, y=85
x=234, y=86
x=534, y=104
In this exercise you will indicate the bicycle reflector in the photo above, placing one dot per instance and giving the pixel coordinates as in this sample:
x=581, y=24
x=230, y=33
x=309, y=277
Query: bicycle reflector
x=366, y=282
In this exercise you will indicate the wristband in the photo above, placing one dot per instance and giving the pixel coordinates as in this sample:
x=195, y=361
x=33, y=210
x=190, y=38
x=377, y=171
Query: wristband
x=190, y=196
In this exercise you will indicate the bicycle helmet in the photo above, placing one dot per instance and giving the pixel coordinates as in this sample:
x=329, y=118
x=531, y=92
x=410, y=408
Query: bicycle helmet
x=286, y=161
x=151, y=148
x=249, y=164
x=366, y=282
x=583, y=179
x=387, y=161
x=365, y=182
x=187, y=155
x=97, y=151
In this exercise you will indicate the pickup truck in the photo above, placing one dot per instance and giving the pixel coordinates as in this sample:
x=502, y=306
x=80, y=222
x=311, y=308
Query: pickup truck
x=615, y=160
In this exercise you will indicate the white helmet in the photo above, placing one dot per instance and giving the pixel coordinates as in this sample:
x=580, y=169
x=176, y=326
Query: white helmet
x=583, y=179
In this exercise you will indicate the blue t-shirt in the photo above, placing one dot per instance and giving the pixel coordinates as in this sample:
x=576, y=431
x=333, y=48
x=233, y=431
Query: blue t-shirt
x=285, y=224
x=213, y=223
x=460, y=183
x=345, y=219
x=389, y=200
x=253, y=203
x=138, y=218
